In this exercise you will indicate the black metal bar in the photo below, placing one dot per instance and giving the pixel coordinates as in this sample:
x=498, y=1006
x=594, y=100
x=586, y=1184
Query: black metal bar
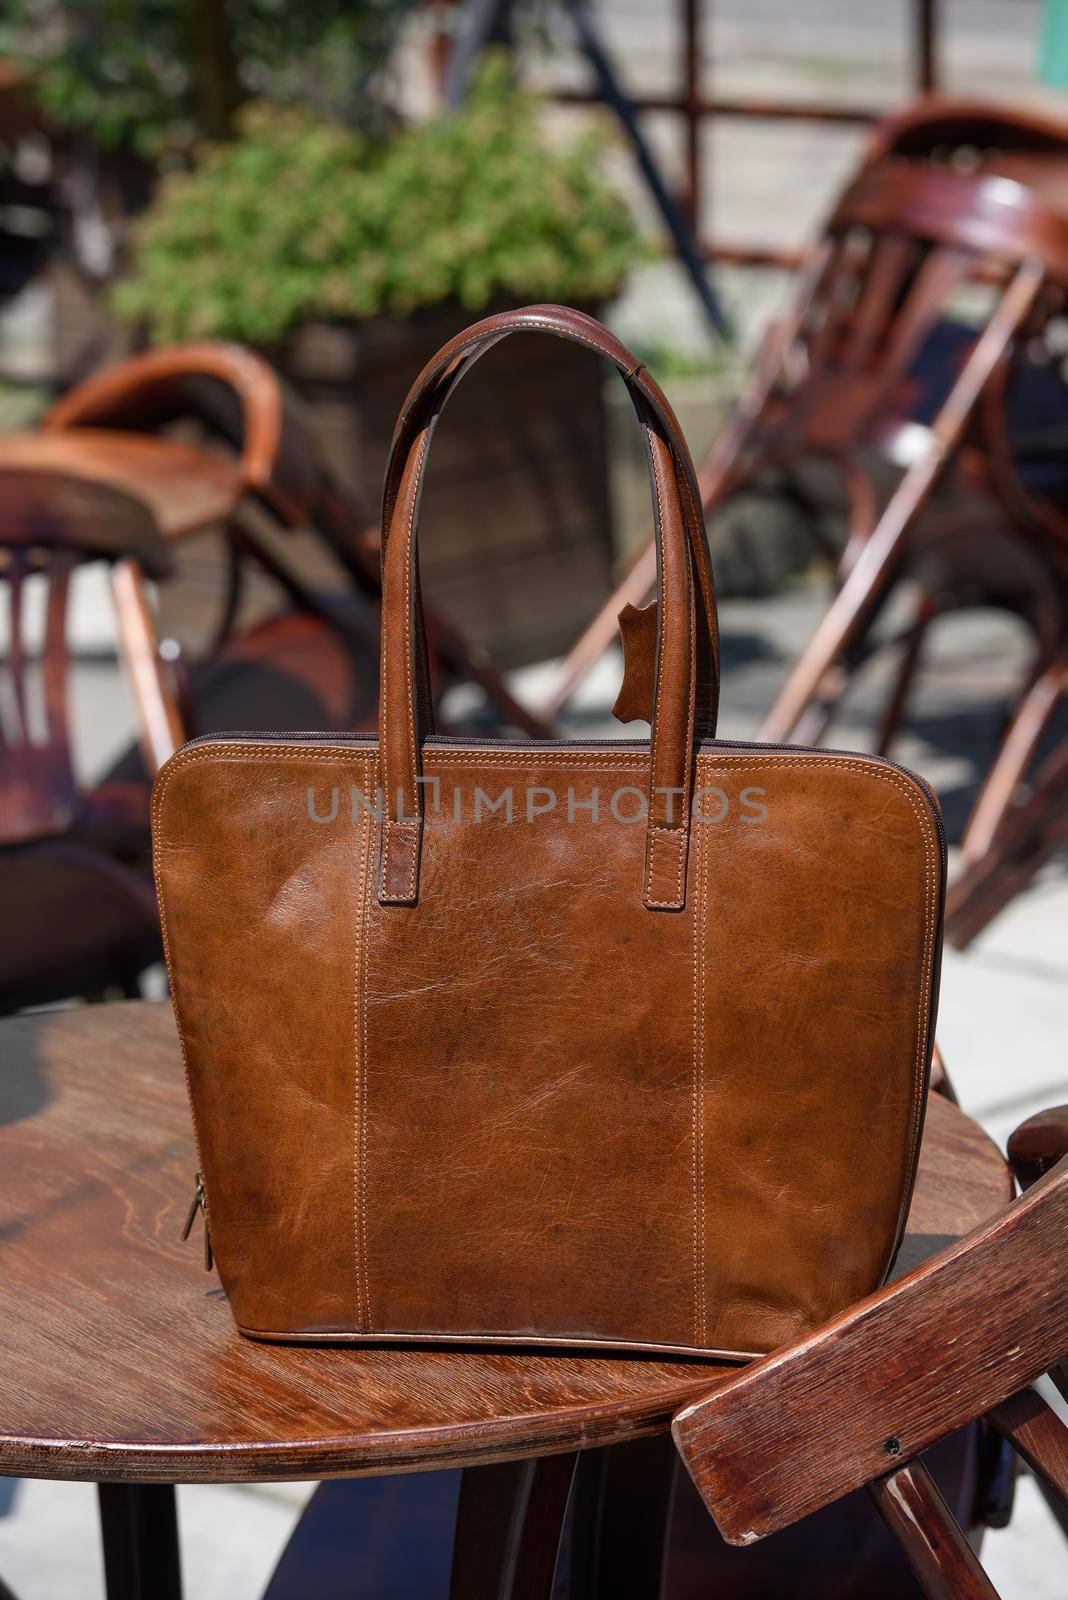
x=486, y=22
x=925, y=23
x=682, y=238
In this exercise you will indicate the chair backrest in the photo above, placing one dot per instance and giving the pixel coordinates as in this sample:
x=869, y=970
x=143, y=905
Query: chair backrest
x=49, y=526
x=230, y=389
x=951, y=130
x=874, y=344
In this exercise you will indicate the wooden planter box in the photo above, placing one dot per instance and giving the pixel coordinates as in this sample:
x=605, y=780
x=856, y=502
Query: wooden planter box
x=516, y=535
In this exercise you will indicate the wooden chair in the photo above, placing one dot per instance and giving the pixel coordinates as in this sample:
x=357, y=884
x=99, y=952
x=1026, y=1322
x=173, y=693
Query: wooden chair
x=934, y=133
x=78, y=908
x=869, y=401
x=856, y=1403
x=266, y=483
x=962, y=131
x=1028, y=835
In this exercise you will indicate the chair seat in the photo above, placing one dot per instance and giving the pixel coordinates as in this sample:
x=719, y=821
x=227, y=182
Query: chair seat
x=121, y=1360
x=184, y=487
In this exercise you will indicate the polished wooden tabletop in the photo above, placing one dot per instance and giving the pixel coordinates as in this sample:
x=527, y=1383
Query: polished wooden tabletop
x=118, y=1357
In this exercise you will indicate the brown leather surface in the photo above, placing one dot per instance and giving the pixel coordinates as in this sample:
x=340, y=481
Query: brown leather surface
x=528, y=1100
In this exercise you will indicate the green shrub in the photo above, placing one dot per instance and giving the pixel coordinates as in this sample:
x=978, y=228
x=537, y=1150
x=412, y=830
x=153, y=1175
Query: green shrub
x=155, y=76
x=297, y=218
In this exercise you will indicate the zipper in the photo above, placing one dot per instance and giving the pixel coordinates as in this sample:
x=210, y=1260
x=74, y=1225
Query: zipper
x=200, y=1203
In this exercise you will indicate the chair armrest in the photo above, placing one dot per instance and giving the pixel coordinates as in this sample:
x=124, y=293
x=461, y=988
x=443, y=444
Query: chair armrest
x=884, y=1380
x=161, y=385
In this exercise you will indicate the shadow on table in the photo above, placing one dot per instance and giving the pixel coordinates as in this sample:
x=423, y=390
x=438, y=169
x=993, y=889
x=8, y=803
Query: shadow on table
x=24, y=1089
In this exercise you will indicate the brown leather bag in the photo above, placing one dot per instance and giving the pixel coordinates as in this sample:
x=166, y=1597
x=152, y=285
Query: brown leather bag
x=591, y=1042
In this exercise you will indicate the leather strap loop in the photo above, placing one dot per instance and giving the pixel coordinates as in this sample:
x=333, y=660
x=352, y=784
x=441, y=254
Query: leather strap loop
x=687, y=675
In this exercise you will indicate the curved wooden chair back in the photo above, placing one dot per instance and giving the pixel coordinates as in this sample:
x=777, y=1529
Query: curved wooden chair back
x=241, y=398
x=49, y=526
x=898, y=250
x=837, y=375
x=957, y=130
x=230, y=388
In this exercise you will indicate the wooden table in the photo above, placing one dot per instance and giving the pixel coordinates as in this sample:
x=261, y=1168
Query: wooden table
x=119, y=1362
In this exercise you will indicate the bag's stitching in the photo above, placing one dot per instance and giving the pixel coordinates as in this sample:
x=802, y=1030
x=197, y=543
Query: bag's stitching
x=662, y=620
x=702, y=868
x=157, y=870
x=367, y=890
x=358, y=1176
x=409, y=714
x=674, y=839
x=698, y=1117
x=652, y=866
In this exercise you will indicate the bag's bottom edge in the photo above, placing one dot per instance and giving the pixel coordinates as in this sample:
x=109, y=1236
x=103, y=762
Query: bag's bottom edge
x=512, y=1341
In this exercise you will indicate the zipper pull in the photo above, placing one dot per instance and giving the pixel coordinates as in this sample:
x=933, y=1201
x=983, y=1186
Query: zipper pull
x=200, y=1204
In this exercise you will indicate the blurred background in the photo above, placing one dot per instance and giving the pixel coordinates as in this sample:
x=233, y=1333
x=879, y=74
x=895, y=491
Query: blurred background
x=231, y=235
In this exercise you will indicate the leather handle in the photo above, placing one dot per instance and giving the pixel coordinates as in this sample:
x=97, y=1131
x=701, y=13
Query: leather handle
x=687, y=659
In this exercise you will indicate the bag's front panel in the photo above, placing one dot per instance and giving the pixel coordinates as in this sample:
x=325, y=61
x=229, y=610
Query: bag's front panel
x=819, y=927
x=529, y=1069
x=262, y=911
x=528, y=1106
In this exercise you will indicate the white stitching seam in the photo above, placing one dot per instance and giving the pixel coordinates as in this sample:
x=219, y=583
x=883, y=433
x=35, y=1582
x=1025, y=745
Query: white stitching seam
x=359, y=1064
x=367, y=890
x=675, y=839
x=698, y=1104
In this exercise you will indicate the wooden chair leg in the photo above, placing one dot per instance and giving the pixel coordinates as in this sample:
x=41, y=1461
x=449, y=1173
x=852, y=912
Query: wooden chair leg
x=1026, y=837
x=998, y=792
x=621, y=1520
x=906, y=673
x=139, y=1530
x=508, y=1527
x=1041, y=1438
x=879, y=559
x=161, y=725
x=945, y=1565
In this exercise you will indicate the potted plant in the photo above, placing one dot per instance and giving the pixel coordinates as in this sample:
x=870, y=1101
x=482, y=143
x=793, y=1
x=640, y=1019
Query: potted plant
x=130, y=88
x=349, y=257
